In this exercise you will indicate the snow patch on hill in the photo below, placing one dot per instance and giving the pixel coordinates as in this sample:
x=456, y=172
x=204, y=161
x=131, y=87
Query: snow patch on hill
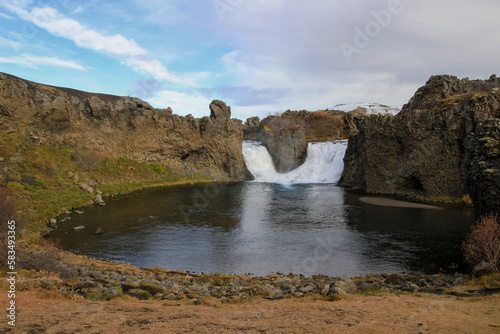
x=368, y=108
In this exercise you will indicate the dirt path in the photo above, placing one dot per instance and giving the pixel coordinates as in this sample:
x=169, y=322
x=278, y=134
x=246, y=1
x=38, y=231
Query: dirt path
x=422, y=313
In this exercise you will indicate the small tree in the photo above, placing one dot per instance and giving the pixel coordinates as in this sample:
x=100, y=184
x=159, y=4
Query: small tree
x=482, y=245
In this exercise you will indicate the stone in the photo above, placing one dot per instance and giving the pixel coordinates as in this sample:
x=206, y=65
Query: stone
x=287, y=148
x=83, y=186
x=97, y=274
x=17, y=159
x=151, y=287
x=335, y=291
x=411, y=287
x=252, y=122
x=129, y=286
x=98, y=231
x=348, y=286
x=53, y=221
x=98, y=200
x=307, y=288
x=78, y=228
x=139, y=294
x=219, y=110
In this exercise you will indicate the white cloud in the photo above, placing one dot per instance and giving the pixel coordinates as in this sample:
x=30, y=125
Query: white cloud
x=10, y=43
x=116, y=46
x=34, y=61
x=296, y=47
x=59, y=25
x=77, y=10
x=182, y=103
x=286, y=54
x=5, y=16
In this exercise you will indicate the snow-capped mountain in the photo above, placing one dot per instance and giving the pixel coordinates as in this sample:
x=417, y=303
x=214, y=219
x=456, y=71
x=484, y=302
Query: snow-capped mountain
x=370, y=108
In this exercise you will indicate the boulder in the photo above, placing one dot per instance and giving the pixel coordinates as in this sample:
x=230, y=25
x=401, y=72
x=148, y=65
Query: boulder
x=343, y=287
x=287, y=148
x=98, y=200
x=252, y=122
x=139, y=294
x=219, y=110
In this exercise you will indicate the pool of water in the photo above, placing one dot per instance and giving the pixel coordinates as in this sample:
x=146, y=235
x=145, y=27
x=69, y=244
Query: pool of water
x=264, y=228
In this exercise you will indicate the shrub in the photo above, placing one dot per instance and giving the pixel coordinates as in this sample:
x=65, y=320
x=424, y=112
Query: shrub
x=158, y=169
x=45, y=257
x=482, y=245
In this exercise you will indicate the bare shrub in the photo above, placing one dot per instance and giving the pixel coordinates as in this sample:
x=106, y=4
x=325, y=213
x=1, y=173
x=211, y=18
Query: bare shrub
x=482, y=245
x=47, y=256
x=86, y=160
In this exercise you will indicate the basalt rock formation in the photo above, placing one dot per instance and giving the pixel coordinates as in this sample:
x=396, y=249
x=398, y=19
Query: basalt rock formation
x=287, y=148
x=123, y=127
x=445, y=143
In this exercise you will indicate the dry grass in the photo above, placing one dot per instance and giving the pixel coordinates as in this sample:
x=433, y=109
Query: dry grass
x=388, y=314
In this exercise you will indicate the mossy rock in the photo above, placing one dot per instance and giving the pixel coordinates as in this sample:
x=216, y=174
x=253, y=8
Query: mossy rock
x=139, y=294
x=151, y=288
x=129, y=286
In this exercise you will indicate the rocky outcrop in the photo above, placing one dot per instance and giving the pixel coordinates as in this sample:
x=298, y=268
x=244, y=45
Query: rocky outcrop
x=445, y=143
x=287, y=148
x=318, y=125
x=219, y=110
x=286, y=136
x=123, y=126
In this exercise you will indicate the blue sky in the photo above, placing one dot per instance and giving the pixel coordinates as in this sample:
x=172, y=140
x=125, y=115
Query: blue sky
x=260, y=56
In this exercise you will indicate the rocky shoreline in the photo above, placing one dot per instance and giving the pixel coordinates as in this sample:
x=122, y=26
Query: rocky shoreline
x=101, y=280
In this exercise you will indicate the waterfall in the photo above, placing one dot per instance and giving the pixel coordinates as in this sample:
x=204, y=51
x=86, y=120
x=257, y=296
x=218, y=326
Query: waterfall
x=324, y=163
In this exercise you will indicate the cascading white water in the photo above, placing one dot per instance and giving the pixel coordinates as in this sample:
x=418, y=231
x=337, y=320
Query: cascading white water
x=324, y=163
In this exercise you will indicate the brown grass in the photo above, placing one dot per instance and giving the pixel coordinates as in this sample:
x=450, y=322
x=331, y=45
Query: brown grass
x=40, y=312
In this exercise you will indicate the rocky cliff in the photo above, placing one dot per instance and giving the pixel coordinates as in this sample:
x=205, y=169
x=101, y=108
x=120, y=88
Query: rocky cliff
x=286, y=136
x=445, y=143
x=123, y=126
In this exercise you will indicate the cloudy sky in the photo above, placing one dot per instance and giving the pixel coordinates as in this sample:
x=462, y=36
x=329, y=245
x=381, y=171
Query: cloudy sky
x=260, y=56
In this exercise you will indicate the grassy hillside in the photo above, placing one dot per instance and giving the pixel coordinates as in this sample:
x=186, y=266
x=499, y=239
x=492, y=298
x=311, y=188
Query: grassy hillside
x=45, y=180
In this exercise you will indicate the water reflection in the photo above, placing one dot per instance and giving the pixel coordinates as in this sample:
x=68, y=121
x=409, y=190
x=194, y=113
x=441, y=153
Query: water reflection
x=262, y=228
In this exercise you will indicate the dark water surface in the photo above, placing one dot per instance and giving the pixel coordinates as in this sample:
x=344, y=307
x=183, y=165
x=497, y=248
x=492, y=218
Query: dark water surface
x=263, y=228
